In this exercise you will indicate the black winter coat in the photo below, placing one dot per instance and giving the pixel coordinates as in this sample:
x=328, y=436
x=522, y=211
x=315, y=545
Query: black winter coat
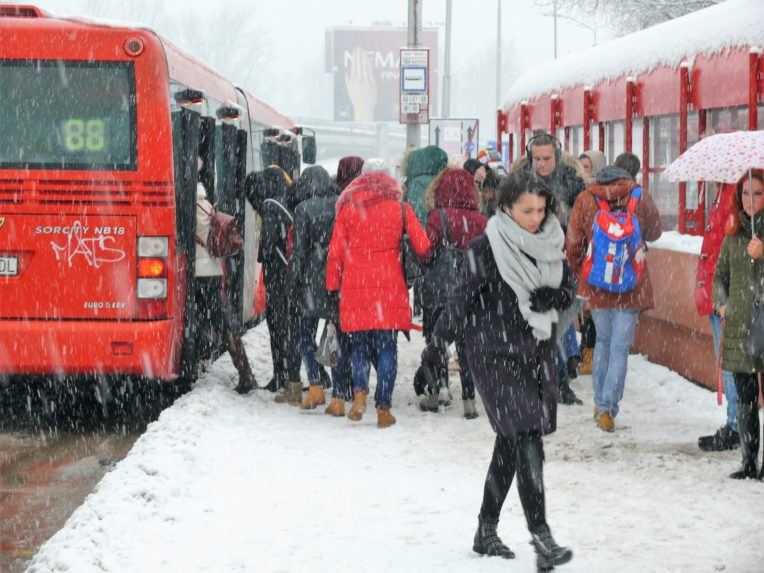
x=275, y=229
x=515, y=374
x=313, y=223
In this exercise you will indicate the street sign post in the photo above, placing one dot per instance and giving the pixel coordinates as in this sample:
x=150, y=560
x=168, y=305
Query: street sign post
x=415, y=85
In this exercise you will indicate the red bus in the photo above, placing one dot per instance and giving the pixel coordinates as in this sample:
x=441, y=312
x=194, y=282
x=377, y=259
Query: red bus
x=101, y=129
x=655, y=93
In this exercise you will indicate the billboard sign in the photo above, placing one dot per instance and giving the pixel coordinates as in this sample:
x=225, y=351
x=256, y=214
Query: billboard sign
x=365, y=62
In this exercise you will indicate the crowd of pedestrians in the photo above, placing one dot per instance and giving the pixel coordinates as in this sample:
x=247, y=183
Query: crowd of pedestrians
x=504, y=271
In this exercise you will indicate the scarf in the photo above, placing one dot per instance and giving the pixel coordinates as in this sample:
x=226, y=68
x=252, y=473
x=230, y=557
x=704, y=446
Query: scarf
x=511, y=246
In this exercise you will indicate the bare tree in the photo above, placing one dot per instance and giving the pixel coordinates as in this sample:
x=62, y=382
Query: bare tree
x=627, y=15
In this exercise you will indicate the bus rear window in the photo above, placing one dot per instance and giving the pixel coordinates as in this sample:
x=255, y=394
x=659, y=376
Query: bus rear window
x=67, y=115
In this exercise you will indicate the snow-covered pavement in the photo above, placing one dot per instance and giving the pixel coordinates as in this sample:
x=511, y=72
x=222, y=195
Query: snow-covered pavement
x=224, y=483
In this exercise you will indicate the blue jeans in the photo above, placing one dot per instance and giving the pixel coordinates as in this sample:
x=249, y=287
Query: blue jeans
x=308, y=329
x=570, y=342
x=615, y=333
x=730, y=392
x=364, y=345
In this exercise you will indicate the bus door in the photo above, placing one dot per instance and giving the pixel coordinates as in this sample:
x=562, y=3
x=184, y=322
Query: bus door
x=231, y=199
x=186, y=129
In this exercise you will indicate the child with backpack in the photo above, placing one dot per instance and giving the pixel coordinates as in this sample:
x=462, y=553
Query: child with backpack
x=605, y=245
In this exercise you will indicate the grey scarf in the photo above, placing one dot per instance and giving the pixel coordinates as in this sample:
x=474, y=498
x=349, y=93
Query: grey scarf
x=510, y=244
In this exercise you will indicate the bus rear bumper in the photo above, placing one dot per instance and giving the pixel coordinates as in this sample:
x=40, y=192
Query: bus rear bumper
x=71, y=348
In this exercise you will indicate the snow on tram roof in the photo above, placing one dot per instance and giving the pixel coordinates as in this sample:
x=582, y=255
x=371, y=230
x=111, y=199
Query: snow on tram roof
x=707, y=31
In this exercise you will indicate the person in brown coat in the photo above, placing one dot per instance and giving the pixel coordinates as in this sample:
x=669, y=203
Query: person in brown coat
x=615, y=313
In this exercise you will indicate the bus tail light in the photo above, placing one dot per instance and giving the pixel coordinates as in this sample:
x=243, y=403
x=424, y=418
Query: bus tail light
x=152, y=268
x=152, y=288
x=151, y=281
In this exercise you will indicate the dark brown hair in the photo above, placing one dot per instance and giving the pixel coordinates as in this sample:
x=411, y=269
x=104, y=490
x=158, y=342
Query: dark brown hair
x=734, y=225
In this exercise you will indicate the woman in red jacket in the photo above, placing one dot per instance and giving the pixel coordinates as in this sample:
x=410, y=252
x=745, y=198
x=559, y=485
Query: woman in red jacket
x=726, y=437
x=364, y=265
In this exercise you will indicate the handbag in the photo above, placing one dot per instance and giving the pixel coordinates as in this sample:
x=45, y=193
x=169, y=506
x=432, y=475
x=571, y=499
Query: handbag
x=411, y=270
x=328, y=351
x=224, y=238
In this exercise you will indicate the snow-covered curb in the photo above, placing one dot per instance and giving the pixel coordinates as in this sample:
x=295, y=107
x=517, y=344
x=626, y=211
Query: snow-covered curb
x=675, y=241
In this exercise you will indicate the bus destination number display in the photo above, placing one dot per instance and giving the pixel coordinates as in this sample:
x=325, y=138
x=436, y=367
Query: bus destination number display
x=84, y=135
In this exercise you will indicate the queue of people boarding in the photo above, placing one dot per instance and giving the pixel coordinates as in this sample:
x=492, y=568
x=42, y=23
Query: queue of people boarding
x=557, y=244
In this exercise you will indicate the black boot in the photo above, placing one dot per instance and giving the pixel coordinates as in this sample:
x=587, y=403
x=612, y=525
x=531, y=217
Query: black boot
x=488, y=542
x=748, y=427
x=324, y=379
x=567, y=395
x=548, y=553
x=725, y=438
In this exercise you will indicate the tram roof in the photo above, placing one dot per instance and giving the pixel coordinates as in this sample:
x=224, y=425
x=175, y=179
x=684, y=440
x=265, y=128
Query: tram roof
x=711, y=30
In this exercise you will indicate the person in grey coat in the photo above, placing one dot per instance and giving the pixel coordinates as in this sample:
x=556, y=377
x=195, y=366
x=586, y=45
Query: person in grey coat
x=313, y=223
x=507, y=311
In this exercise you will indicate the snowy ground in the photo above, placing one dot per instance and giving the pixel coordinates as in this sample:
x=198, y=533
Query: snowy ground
x=224, y=483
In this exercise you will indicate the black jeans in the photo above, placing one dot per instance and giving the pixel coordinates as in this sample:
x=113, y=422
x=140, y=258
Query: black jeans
x=522, y=455
x=283, y=318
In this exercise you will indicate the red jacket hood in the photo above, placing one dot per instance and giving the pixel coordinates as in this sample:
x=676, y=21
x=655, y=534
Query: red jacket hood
x=369, y=188
x=456, y=190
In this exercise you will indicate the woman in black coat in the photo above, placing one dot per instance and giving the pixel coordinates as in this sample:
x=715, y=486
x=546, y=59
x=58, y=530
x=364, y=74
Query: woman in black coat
x=507, y=311
x=313, y=222
x=273, y=254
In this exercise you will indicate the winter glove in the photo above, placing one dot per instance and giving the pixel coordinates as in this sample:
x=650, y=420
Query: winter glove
x=548, y=298
x=433, y=357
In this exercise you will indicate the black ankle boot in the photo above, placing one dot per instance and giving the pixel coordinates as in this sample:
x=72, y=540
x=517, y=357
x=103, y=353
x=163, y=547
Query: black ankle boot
x=567, y=395
x=548, y=553
x=488, y=542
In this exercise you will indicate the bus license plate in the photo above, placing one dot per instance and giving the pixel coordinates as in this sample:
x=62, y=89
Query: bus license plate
x=9, y=266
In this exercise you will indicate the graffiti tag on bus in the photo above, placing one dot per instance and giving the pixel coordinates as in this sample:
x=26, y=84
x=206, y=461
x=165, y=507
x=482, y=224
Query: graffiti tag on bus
x=96, y=249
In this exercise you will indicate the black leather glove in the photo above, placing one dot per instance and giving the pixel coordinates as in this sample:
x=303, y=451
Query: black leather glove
x=548, y=298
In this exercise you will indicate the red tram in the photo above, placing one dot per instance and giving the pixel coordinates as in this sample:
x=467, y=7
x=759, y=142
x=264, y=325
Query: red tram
x=655, y=93
x=101, y=129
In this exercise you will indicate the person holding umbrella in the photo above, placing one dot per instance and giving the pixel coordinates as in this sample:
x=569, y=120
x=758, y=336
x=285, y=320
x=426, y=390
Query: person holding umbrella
x=738, y=296
x=738, y=285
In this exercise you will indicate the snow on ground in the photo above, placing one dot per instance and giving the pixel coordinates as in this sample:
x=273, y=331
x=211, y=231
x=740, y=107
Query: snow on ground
x=228, y=483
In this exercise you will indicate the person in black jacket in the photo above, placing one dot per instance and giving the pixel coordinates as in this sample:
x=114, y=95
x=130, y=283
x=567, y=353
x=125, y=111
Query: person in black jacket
x=507, y=312
x=274, y=256
x=313, y=222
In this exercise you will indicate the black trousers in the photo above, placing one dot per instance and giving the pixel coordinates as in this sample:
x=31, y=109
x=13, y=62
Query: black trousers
x=429, y=319
x=521, y=455
x=283, y=319
x=748, y=415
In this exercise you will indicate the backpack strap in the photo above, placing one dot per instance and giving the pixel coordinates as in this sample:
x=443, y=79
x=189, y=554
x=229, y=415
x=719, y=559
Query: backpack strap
x=280, y=206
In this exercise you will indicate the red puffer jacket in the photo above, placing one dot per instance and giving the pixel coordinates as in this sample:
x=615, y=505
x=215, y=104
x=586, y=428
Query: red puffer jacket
x=713, y=237
x=364, y=260
x=455, y=194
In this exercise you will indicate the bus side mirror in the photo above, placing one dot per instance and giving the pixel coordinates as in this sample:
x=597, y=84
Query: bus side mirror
x=309, y=149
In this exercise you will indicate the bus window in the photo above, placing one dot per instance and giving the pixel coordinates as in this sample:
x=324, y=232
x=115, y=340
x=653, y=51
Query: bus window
x=614, y=140
x=68, y=115
x=664, y=148
x=761, y=117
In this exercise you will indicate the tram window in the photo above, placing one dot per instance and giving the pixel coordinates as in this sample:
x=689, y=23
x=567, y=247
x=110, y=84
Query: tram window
x=594, y=136
x=761, y=117
x=664, y=148
x=614, y=140
x=561, y=137
x=724, y=120
x=637, y=131
x=576, y=140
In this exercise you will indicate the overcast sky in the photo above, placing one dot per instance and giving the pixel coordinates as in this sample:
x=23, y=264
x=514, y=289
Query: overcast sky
x=277, y=48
